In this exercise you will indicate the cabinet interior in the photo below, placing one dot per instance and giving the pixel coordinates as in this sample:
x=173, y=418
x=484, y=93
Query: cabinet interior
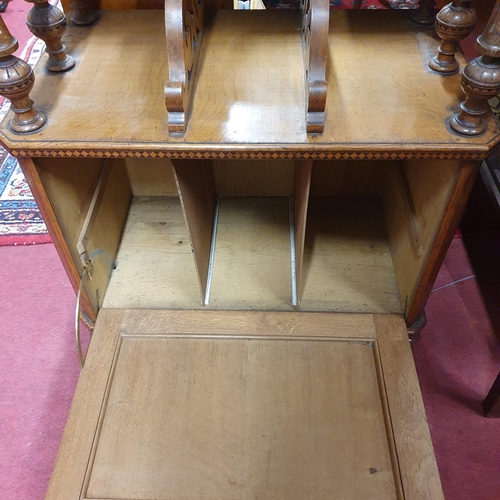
x=340, y=236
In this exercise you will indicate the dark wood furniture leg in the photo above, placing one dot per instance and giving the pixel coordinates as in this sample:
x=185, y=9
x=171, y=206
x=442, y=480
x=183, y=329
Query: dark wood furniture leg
x=82, y=14
x=356, y=4
x=454, y=22
x=426, y=13
x=16, y=82
x=480, y=79
x=49, y=24
x=491, y=404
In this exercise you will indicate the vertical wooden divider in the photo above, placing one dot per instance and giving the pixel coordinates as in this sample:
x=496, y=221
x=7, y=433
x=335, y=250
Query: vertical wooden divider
x=196, y=186
x=301, y=187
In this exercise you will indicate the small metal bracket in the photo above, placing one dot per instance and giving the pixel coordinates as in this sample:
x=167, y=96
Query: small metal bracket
x=415, y=329
x=87, y=272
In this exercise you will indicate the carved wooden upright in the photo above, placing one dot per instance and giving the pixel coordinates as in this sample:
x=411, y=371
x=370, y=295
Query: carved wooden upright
x=425, y=14
x=454, y=22
x=480, y=79
x=82, y=14
x=49, y=23
x=16, y=82
x=184, y=29
x=315, y=24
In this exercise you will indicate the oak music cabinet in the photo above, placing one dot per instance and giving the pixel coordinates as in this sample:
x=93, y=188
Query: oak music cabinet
x=253, y=285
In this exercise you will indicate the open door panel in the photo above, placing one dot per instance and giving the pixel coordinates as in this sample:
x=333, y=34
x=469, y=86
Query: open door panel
x=238, y=405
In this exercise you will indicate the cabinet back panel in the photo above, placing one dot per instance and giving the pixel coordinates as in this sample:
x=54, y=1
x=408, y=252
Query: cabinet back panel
x=254, y=178
x=346, y=178
x=151, y=177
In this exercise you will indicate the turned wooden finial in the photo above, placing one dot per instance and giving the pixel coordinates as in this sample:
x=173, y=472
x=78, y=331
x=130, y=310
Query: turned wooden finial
x=16, y=82
x=82, y=14
x=453, y=23
x=49, y=23
x=480, y=79
x=426, y=13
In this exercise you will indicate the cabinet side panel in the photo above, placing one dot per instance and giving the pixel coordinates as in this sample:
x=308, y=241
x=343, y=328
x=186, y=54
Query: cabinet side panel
x=32, y=175
x=70, y=184
x=431, y=184
x=454, y=209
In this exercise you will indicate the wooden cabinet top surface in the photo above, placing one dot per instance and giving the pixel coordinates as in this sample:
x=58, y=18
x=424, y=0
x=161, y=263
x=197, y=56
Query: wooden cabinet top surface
x=249, y=100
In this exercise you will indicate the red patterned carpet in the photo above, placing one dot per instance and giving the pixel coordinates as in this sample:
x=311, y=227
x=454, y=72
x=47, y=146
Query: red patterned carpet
x=20, y=220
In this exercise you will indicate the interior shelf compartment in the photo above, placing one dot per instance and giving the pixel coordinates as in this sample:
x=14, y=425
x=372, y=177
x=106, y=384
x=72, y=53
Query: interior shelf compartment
x=343, y=236
x=252, y=255
x=250, y=89
x=347, y=261
x=154, y=264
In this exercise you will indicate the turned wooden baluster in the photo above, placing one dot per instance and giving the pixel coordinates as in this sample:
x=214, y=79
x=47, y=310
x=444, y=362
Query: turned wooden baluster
x=453, y=23
x=480, y=79
x=82, y=14
x=16, y=82
x=49, y=23
x=426, y=13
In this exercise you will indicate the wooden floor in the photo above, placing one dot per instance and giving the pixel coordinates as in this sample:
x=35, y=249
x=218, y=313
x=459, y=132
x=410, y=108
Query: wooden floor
x=347, y=263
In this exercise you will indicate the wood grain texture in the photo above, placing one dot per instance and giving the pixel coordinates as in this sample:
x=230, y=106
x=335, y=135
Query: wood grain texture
x=348, y=178
x=59, y=239
x=315, y=24
x=72, y=458
x=253, y=100
x=301, y=188
x=253, y=178
x=184, y=26
x=245, y=323
x=104, y=239
x=413, y=224
x=446, y=229
x=430, y=185
x=297, y=426
x=347, y=262
x=154, y=265
x=151, y=177
x=70, y=185
x=252, y=255
x=70, y=193
x=415, y=454
x=315, y=410
x=195, y=183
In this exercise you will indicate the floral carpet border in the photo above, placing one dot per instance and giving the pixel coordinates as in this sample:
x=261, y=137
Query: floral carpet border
x=20, y=219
